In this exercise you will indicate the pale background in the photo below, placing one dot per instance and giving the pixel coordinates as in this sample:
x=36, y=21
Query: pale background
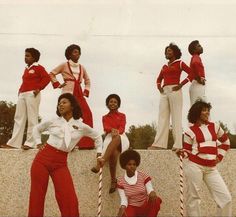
x=123, y=46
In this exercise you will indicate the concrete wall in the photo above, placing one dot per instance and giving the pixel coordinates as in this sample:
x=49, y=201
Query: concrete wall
x=162, y=166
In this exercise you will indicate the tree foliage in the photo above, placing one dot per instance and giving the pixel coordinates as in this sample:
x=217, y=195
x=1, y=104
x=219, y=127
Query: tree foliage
x=6, y=120
x=141, y=137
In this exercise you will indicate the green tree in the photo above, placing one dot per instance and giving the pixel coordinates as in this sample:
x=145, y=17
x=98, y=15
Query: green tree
x=142, y=137
x=6, y=120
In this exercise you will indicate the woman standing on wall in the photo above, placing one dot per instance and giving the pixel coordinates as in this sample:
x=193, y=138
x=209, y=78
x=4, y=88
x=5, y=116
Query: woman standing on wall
x=171, y=100
x=34, y=80
x=74, y=74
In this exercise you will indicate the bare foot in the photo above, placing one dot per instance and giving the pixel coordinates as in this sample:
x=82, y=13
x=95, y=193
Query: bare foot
x=113, y=186
x=95, y=169
x=26, y=147
x=155, y=148
x=177, y=151
x=7, y=146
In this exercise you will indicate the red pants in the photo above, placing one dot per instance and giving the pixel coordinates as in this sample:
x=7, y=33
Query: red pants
x=85, y=142
x=52, y=162
x=148, y=209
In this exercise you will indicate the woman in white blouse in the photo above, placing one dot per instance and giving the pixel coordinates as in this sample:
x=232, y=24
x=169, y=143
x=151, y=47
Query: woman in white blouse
x=64, y=133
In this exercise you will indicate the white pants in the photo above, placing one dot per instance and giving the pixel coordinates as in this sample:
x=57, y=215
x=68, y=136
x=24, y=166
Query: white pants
x=171, y=103
x=27, y=109
x=196, y=92
x=195, y=174
x=124, y=142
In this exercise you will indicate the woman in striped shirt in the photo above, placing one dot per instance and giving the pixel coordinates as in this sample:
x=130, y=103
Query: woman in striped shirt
x=206, y=144
x=135, y=189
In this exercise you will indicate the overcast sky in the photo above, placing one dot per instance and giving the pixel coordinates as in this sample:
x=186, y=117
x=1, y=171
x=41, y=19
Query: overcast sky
x=123, y=46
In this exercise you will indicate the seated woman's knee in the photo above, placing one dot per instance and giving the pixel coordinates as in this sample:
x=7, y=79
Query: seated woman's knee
x=116, y=138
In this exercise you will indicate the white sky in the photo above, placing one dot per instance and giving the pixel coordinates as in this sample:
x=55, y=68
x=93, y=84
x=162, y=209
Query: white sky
x=123, y=46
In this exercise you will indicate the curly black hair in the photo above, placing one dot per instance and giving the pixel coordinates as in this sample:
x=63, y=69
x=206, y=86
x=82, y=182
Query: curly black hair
x=34, y=53
x=77, y=113
x=196, y=109
x=113, y=96
x=128, y=155
x=192, y=46
x=176, y=50
x=70, y=49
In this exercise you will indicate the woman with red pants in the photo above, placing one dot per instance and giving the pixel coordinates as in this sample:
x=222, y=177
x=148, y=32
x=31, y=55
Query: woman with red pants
x=74, y=74
x=64, y=133
x=135, y=189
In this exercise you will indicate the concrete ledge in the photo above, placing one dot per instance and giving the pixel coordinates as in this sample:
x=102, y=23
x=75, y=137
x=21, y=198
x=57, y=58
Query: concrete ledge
x=161, y=165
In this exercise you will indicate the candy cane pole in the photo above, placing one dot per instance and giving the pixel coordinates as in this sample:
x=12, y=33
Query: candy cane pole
x=100, y=193
x=181, y=185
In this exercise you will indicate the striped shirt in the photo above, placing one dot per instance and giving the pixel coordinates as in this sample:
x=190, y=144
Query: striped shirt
x=205, y=143
x=137, y=193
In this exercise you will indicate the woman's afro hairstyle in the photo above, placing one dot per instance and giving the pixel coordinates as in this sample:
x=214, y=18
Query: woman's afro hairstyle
x=128, y=155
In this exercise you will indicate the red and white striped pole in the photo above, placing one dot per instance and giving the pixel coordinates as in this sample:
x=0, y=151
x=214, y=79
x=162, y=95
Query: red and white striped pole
x=100, y=193
x=181, y=186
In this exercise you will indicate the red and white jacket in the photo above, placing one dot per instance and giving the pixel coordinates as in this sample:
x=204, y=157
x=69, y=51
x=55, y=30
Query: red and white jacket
x=171, y=74
x=67, y=75
x=34, y=77
x=205, y=143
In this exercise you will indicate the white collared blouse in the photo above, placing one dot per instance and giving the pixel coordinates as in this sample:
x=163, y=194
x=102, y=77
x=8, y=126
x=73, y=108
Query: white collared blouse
x=56, y=131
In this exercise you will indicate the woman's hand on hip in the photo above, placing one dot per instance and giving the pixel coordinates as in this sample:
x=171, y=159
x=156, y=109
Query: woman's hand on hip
x=161, y=90
x=36, y=92
x=62, y=85
x=121, y=211
x=152, y=196
x=40, y=146
x=178, y=87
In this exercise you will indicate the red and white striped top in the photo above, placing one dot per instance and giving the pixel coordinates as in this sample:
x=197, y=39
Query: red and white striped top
x=205, y=143
x=137, y=193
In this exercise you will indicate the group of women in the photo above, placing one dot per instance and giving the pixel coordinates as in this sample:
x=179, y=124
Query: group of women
x=205, y=143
